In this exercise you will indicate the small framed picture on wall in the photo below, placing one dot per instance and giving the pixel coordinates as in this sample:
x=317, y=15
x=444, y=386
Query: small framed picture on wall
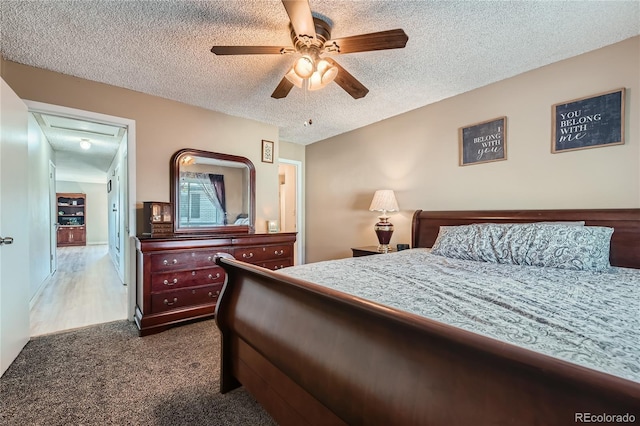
x=267, y=151
x=588, y=122
x=483, y=142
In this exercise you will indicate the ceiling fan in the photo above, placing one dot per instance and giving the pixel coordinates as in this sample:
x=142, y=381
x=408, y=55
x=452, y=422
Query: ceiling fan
x=311, y=37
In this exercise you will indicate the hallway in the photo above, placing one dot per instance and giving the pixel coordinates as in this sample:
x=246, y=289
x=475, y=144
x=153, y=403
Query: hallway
x=84, y=290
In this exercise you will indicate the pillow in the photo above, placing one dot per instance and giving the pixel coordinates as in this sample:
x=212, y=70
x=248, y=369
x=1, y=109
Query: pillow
x=535, y=244
x=241, y=221
x=567, y=223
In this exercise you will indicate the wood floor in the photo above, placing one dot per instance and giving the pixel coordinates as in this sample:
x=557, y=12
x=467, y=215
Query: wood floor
x=84, y=290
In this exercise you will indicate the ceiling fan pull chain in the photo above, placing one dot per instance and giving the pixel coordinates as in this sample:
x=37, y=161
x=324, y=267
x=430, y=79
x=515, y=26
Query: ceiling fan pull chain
x=307, y=122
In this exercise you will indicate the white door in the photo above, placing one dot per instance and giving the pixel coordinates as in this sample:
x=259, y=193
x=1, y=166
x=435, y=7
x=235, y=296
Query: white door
x=14, y=255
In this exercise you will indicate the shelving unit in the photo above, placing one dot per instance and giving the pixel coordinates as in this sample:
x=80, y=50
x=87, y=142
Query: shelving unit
x=71, y=219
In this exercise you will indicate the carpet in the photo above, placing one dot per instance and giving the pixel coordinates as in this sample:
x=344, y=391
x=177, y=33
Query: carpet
x=107, y=375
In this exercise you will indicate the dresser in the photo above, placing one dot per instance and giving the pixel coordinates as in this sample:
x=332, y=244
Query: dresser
x=178, y=279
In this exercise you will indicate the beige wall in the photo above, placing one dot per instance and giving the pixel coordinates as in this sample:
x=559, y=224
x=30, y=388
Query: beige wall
x=416, y=154
x=162, y=127
x=292, y=151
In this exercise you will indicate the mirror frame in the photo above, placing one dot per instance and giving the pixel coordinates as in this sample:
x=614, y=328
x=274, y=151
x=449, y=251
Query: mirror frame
x=175, y=191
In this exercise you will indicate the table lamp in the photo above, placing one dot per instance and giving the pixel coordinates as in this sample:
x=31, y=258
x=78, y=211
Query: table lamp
x=384, y=200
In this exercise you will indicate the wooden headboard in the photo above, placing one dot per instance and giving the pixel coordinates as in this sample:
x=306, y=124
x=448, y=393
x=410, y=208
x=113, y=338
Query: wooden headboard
x=625, y=242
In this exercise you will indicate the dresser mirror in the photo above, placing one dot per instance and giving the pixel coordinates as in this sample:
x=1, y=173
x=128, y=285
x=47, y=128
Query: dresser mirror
x=212, y=193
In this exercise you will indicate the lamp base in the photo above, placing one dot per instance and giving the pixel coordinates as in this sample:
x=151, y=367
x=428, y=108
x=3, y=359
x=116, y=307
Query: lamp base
x=384, y=230
x=383, y=248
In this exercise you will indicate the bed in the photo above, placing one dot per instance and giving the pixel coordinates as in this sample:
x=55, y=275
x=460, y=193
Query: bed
x=315, y=355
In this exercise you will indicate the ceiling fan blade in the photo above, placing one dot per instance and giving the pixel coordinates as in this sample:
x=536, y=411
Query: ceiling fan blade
x=249, y=50
x=283, y=89
x=348, y=82
x=300, y=16
x=392, y=39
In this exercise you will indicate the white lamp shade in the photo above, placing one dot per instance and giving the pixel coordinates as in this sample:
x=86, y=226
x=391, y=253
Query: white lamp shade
x=294, y=78
x=304, y=66
x=324, y=75
x=384, y=200
x=327, y=71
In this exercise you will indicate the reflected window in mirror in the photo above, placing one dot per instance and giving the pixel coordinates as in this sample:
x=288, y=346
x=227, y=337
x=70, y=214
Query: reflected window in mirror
x=202, y=199
x=213, y=192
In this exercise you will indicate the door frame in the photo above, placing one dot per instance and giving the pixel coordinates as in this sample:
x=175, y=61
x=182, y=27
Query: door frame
x=299, y=204
x=129, y=247
x=53, y=231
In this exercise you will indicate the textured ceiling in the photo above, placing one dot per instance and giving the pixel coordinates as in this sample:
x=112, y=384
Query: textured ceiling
x=163, y=48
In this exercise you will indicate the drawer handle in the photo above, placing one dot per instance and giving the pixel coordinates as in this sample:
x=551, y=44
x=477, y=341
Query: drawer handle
x=278, y=267
x=247, y=256
x=166, y=262
x=216, y=295
x=166, y=302
x=278, y=252
x=175, y=281
x=211, y=277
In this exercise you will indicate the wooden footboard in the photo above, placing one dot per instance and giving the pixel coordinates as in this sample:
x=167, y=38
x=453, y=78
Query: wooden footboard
x=312, y=355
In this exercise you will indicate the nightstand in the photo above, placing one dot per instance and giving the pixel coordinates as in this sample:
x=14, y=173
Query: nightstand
x=368, y=251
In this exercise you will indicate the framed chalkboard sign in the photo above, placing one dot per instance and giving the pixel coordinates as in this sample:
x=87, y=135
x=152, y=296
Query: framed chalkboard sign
x=483, y=142
x=588, y=122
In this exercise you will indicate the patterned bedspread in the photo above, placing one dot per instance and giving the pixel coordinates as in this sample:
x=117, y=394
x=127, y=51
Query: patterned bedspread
x=587, y=318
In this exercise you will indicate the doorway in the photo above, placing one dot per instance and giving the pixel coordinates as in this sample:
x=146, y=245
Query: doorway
x=291, y=202
x=90, y=262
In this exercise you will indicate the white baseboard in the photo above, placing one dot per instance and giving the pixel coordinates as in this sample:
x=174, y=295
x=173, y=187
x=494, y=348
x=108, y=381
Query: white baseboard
x=36, y=296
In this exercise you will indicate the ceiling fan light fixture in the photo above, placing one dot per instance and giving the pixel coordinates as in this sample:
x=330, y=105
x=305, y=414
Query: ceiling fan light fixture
x=304, y=66
x=188, y=160
x=85, y=144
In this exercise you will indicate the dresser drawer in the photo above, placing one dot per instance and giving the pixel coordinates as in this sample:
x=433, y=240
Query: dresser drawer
x=263, y=253
x=180, y=260
x=186, y=297
x=167, y=281
x=274, y=265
